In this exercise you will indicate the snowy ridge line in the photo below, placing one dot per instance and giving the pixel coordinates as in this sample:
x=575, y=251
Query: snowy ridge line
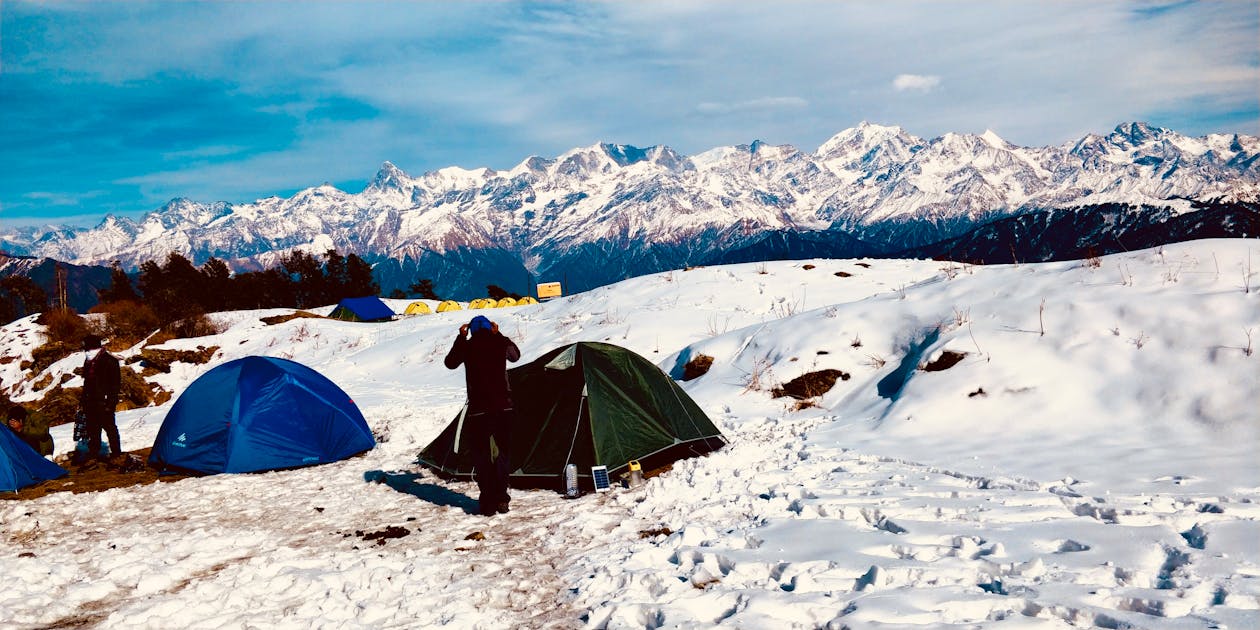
x=879, y=184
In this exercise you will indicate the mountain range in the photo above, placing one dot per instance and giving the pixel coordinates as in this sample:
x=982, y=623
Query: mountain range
x=605, y=212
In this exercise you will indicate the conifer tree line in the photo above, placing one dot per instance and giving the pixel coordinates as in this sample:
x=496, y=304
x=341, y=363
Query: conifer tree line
x=177, y=289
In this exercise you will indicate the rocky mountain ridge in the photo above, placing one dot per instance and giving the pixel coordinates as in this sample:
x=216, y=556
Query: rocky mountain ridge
x=601, y=213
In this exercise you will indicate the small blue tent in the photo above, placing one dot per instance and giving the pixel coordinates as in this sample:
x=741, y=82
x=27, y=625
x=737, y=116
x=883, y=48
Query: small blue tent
x=259, y=413
x=362, y=309
x=21, y=466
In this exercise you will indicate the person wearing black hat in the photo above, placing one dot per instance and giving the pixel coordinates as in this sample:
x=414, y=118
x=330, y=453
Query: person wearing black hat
x=484, y=353
x=101, y=381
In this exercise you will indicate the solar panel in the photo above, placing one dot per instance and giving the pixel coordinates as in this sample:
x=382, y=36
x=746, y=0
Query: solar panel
x=599, y=474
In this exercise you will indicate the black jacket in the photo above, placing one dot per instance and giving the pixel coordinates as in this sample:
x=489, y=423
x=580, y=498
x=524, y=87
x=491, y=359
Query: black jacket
x=101, y=382
x=484, y=357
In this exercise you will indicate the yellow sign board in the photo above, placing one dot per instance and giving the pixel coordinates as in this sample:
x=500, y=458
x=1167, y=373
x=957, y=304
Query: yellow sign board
x=549, y=290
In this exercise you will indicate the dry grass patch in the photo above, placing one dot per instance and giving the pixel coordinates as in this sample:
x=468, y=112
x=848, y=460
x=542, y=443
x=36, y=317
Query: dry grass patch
x=280, y=319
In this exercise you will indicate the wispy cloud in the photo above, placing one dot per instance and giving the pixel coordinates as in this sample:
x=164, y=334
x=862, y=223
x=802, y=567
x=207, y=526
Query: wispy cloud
x=916, y=82
x=776, y=103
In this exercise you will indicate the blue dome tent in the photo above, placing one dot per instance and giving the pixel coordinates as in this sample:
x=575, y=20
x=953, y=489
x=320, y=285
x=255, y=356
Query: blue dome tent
x=21, y=466
x=259, y=413
x=362, y=309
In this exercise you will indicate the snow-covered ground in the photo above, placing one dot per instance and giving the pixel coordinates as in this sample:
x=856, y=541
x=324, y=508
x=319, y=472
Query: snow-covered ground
x=1091, y=461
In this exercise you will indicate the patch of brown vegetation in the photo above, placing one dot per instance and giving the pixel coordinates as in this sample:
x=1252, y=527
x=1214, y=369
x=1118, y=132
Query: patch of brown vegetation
x=280, y=319
x=48, y=354
x=189, y=327
x=136, y=392
x=810, y=385
x=864, y=265
x=948, y=359
x=843, y=274
x=807, y=267
x=653, y=533
x=94, y=477
x=126, y=323
x=698, y=366
x=160, y=360
x=42, y=382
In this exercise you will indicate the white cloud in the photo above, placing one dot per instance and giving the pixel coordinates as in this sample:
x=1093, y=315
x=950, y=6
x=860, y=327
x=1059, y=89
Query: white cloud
x=761, y=104
x=919, y=82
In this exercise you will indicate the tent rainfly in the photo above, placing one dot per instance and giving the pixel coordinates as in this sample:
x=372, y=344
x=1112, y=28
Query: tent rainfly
x=259, y=413
x=588, y=404
x=362, y=309
x=21, y=466
x=449, y=305
x=417, y=308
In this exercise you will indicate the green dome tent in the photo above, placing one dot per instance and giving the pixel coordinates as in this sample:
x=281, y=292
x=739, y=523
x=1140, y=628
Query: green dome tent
x=588, y=404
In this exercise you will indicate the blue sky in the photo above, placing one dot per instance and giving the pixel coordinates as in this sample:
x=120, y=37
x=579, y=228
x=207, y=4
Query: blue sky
x=118, y=107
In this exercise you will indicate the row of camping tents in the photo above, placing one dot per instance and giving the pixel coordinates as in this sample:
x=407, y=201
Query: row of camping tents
x=372, y=309
x=421, y=308
x=587, y=404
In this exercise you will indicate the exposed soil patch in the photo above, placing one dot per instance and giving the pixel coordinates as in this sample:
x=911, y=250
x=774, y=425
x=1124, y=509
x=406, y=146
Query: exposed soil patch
x=948, y=359
x=697, y=367
x=807, y=267
x=843, y=274
x=393, y=531
x=96, y=476
x=280, y=319
x=810, y=385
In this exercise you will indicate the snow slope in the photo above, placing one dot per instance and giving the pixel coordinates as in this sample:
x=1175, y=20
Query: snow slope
x=1090, y=461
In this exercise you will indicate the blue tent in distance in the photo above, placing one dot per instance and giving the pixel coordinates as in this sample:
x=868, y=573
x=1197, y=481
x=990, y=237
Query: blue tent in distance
x=362, y=309
x=21, y=466
x=259, y=413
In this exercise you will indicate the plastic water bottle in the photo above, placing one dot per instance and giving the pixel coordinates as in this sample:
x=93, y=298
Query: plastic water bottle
x=570, y=481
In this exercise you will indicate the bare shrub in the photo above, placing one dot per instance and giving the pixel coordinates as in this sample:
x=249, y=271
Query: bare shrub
x=192, y=326
x=698, y=366
x=63, y=326
x=127, y=322
x=760, y=371
x=810, y=385
x=857, y=342
x=875, y=361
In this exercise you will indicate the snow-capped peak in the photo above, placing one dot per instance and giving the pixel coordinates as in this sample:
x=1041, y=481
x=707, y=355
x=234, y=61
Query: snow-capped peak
x=991, y=138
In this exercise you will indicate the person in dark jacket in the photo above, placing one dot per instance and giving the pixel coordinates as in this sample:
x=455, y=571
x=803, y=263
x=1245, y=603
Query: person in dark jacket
x=488, y=421
x=101, y=382
x=30, y=430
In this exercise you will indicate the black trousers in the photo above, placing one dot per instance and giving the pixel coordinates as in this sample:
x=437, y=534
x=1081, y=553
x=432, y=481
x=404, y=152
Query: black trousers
x=490, y=438
x=98, y=420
